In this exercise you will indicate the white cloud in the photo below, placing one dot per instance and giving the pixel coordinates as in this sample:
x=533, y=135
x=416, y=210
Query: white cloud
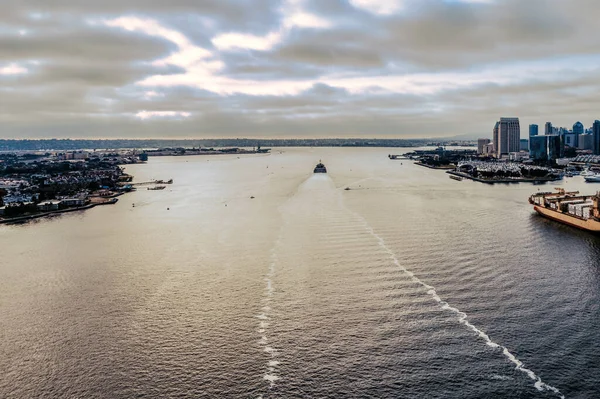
x=162, y=114
x=13, y=69
x=189, y=55
x=293, y=16
x=229, y=41
x=380, y=7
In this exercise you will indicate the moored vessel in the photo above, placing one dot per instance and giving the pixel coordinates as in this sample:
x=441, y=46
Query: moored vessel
x=570, y=208
x=592, y=178
x=320, y=168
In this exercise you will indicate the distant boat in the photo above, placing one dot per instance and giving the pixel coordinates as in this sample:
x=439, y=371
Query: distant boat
x=456, y=177
x=592, y=178
x=320, y=168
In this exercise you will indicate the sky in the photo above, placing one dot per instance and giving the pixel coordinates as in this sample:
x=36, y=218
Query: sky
x=294, y=68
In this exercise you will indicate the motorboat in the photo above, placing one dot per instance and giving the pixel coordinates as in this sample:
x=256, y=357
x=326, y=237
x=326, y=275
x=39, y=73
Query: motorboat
x=592, y=178
x=320, y=168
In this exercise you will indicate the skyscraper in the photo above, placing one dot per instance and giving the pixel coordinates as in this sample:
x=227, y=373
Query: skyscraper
x=548, y=128
x=577, y=130
x=533, y=130
x=495, y=137
x=509, y=136
x=596, y=133
x=538, y=148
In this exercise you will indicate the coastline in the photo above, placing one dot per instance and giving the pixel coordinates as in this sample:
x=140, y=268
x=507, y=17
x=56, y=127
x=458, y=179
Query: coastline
x=20, y=219
x=435, y=167
x=502, y=181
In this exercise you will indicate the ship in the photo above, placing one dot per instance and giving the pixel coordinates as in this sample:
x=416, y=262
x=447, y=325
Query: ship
x=157, y=188
x=320, y=168
x=592, y=178
x=453, y=177
x=571, y=208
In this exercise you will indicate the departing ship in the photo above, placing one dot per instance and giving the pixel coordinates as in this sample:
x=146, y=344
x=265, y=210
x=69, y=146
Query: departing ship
x=570, y=208
x=320, y=168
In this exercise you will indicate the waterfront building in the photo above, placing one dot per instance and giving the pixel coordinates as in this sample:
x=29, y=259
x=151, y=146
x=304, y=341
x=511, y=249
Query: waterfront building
x=481, y=143
x=488, y=150
x=596, y=134
x=548, y=129
x=495, y=137
x=533, y=130
x=571, y=140
x=586, y=142
x=538, y=148
x=508, y=132
x=524, y=145
x=555, y=147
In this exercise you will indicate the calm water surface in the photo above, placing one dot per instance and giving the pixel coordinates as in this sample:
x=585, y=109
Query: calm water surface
x=409, y=285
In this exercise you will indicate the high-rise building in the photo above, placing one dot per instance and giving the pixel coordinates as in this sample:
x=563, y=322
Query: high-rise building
x=555, y=147
x=596, y=133
x=481, y=143
x=586, y=142
x=533, y=130
x=524, y=145
x=548, y=129
x=495, y=140
x=546, y=148
x=538, y=148
x=578, y=129
x=509, y=136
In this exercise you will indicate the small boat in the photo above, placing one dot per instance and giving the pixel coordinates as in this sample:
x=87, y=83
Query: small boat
x=157, y=188
x=456, y=177
x=320, y=168
x=592, y=178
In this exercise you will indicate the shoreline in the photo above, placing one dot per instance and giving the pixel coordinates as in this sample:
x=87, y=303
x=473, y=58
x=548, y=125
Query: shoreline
x=502, y=181
x=435, y=167
x=19, y=219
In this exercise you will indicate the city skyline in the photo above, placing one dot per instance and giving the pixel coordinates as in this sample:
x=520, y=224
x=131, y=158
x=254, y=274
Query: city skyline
x=356, y=68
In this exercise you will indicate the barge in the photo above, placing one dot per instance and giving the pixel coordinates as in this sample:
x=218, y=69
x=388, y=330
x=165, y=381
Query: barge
x=571, y=208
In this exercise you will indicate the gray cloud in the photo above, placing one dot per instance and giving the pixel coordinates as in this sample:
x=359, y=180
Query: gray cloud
x=84, y=81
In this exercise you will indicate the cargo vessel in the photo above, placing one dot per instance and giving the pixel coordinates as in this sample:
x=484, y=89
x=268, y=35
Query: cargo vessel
x=570, y=208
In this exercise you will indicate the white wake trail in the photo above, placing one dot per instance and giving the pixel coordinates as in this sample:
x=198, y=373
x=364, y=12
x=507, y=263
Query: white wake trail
x=264, y=318
x=462, y=317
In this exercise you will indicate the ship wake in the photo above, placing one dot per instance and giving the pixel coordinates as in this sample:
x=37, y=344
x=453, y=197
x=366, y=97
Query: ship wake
x=462, y=317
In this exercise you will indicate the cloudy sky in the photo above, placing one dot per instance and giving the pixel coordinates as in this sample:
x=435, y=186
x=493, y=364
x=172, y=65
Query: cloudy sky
x=294, y=68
